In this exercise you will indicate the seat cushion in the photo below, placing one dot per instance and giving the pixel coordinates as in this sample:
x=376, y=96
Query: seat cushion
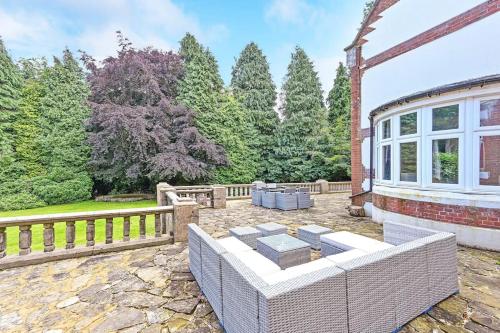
x=296, y=271
x=255, y=261
x=232, y=245
x=346, y=256
x=346, y=240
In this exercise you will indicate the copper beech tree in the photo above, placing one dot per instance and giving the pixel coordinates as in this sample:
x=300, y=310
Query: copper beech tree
x=139, y=134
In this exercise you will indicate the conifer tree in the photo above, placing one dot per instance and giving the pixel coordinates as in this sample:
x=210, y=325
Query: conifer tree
x=218, y=115
x=10, y=87
x=302, y=139
x=339, y=117
x=64, y=151
x=252, y=84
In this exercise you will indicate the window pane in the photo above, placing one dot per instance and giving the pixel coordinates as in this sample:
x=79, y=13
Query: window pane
x=489, y=163
x=408, y=124
x=386, y=129
x=490, y=112
x=408, y=162
x=445, y=118
x=445, y=161
x=386, y=162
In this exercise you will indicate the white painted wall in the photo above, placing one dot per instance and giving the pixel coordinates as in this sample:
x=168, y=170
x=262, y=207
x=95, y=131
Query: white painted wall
x=471, y=52
x=408, y=18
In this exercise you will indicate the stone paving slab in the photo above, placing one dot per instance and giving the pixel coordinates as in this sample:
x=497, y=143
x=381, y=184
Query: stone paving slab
x=152, y=290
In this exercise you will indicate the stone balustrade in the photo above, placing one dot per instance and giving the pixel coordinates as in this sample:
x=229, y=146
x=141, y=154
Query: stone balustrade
x=242, y=191
x=180, y=214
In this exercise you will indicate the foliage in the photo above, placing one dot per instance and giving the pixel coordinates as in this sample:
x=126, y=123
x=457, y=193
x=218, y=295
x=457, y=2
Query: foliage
x=251, y=82
x=368, y=8
x=448, y=166
x=302, y=139
x=218, y=115
x=10, y=86
x=339, y=117
x=139, y=135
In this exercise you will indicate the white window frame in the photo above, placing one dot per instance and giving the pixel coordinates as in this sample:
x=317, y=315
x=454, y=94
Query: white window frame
x=381, y=162
x=398, y=130
x=428, y=161
x=476, y=164
x=428, y=117
x=382, y=130
x=397, y=168
x=477, y=115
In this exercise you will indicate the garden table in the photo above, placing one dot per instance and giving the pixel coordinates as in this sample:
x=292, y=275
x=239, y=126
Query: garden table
x=284, y=250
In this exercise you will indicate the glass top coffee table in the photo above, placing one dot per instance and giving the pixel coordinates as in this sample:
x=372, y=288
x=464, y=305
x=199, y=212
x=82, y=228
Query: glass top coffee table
x=284, y=250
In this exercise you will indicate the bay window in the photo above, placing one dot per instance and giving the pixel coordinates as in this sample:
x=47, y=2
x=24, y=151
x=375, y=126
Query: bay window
x=452, y=146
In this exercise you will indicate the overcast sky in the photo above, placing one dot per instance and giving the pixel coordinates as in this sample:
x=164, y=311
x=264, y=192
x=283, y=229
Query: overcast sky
x=34, y=28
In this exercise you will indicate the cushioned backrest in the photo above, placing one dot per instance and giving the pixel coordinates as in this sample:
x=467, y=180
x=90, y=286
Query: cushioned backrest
x=371, y=295
x=442, y=265
x=240, y=287
x=313, y=302
x=399, y=233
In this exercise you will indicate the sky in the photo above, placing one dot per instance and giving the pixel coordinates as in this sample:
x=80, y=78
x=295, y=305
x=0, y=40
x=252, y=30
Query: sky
x=36, y=28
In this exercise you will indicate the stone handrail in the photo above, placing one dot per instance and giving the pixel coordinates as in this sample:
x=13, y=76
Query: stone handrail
x=339, y=187
x=180, y=214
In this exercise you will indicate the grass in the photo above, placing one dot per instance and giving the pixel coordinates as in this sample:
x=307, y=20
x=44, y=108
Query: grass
x=80, y=235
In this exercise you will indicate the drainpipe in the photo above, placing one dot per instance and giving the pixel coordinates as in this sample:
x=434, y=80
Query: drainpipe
x=371, y=152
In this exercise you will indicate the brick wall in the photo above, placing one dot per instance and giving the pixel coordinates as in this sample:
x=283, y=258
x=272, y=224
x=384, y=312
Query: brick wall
x=465, y=215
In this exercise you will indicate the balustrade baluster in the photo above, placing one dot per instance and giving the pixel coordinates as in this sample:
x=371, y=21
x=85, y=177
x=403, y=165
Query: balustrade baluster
x=48, y=237
x=109, y=230
x=90, y=232
x=126, y=228
x=3, y=242
x=142, y=227
x=24, y=240
x=70, y=234
x=157, y=225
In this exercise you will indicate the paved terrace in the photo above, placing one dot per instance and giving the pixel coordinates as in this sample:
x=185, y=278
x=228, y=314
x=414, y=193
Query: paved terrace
x=151, y=290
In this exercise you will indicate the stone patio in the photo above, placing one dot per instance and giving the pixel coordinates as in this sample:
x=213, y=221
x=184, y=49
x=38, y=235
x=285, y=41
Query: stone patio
x=151, y=290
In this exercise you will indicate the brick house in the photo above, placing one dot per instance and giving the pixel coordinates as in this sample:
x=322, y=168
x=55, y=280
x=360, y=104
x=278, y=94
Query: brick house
x=426, y=116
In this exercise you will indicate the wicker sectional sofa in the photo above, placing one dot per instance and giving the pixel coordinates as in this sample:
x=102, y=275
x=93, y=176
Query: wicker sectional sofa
x=348, y=292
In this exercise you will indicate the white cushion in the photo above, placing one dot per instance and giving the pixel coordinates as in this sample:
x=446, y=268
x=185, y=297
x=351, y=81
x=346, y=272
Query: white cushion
x=259, y=264
x=346, y=240
x=233, y=244
x=296, y=271
x=346, y=256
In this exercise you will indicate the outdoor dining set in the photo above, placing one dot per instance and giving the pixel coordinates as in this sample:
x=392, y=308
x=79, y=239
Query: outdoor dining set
x=281, y=197
x=261, y=279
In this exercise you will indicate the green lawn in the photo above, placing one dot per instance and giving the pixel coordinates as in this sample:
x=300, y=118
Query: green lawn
x=60, y=228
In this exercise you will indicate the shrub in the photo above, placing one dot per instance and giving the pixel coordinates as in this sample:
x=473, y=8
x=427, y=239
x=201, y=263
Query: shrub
x=22, y=200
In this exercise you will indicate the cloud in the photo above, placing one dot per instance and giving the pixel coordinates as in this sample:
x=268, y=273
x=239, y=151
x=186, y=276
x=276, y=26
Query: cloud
x=91, y=25
x=297, y=12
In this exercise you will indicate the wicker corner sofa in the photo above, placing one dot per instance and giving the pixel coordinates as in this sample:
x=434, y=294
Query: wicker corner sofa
x=376, y=292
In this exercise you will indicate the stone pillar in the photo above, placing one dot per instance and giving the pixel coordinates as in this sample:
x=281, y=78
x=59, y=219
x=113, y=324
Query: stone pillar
x=109, y=230
x=24, y=240
x=323, y=186
x=3, y=242
x=185, y=212
x=218, y=197
x=126, y=228
x=161, y=198
x=70, y=235
x=90, y=232
x=142, y=227
x=48, y=237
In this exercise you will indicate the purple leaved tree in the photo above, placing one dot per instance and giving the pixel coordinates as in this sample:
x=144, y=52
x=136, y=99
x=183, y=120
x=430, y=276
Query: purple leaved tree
x=138, y=133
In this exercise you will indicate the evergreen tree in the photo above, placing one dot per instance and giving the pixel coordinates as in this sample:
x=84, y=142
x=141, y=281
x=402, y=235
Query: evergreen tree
x=64, y=152
x=10, y=87
x=339, y=116
x=251, y=82
x=302, y=139
x=218, y=115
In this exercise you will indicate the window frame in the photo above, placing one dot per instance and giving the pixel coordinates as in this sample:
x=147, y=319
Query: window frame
x=428, y=162
x=419, y=126
x=398, y=164
x=381, y=162
x=475, y=165
x=428, y=112
x=477, y=111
